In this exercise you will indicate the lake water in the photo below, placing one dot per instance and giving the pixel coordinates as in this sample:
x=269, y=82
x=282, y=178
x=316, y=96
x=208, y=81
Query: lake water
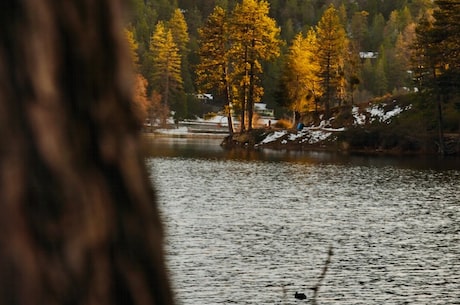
x=255, y=227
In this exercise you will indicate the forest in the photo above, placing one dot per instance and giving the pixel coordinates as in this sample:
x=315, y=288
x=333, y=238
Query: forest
x=297, y=56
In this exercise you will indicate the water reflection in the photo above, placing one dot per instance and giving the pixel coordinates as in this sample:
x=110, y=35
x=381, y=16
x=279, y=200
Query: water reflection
x=209, y=148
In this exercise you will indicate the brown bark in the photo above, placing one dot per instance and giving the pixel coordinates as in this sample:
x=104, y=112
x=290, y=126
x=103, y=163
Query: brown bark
x=78, y=224
x=228, y=98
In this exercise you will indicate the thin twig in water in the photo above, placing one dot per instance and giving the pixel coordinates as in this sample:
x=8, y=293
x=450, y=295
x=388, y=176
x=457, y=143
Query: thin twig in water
x=322, y=275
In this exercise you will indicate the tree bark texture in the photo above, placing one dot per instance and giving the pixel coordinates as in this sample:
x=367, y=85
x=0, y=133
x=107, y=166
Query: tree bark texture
x=78, y=224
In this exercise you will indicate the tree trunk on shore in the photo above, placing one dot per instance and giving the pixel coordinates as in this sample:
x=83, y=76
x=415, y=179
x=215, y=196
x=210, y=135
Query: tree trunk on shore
x=77, y=214
x=228, y=97
x=252, y=85
x=441, y=144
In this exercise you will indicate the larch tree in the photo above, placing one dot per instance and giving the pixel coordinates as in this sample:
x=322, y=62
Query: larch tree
x=332, y=52
x=141, y=103
x=179, y=29
x=213, y=71
x=300, y=75
x=133, y=47
x=166, y=61
x=295, y=76
x=255, y=38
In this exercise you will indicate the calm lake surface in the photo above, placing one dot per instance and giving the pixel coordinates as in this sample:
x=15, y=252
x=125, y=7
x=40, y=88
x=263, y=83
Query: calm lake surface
x=255, y=227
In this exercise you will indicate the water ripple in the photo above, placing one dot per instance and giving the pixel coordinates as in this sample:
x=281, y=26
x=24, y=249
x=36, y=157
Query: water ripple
x=255, y=232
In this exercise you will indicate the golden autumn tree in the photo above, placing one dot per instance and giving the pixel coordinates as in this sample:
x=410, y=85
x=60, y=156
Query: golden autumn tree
x=179, y=29
x=133, y=47
x=332, y=52
x=300, y=75
x=255, y=38
x=213, y=71
x=140, y=101
x=166, y=61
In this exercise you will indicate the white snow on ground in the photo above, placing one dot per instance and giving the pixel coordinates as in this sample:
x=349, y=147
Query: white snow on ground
x=359, y=118
x=294, y=136
x=308, y=134
x=312, y=134
x=333, y=129
x=387, y=116
x=315, y=134
x=377, y=113
x=274, y=136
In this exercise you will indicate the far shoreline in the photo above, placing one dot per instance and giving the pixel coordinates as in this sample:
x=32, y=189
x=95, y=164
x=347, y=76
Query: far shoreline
x=254, y=141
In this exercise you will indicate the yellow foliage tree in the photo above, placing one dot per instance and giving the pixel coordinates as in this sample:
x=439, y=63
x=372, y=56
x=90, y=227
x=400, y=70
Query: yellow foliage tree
x=166, y=62
x=255, y=38
x=301, y=72
x=332, y=52
x=179, y=30
x=140, y=101
x=232, y=51
x=133, y=47
x=213, y=71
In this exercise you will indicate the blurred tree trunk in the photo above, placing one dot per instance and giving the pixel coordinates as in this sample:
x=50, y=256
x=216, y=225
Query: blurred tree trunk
x=78, y=224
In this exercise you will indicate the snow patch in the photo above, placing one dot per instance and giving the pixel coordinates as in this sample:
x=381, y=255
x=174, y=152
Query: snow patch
x=377, y=113
x=316, y=136
x=295, y=136
x=274, y=136
x=359, y=118
x=309, y=135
